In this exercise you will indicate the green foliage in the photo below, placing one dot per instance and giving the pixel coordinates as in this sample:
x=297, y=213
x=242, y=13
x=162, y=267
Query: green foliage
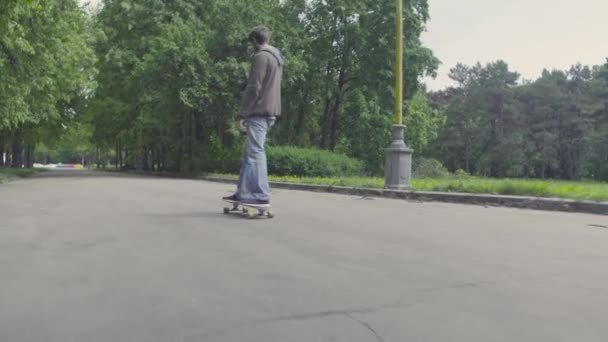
x=47, y=70
x=366, y=132
x=293, y=161
x=429, y=168
x=554, y=127
x=74, y=146
x=8, y=174
x=356, y=182
x=423, y=123
x=156, y=85
x=221, y=159
x=593, y=191
x=45, y=61
x=171, y=73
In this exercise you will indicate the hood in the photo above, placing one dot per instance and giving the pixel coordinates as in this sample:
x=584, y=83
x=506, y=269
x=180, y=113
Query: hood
x=276, y=53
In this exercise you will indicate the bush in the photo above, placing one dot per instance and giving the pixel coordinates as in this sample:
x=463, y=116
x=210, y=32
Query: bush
x=429, y=168
x=8, y=173
x=221, y=159
x=305, y=162
x=460, y=173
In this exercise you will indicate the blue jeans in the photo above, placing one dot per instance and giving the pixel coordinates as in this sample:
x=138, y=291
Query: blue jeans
x=253, y=181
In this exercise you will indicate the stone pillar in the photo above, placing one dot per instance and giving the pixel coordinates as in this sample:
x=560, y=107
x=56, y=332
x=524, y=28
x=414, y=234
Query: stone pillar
x=398, y=162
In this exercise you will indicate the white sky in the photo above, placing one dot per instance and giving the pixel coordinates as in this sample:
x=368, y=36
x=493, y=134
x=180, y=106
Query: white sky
x=528, y=34
x=92, y=2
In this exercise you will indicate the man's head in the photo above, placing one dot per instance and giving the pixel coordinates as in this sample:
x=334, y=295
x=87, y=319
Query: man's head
x=259, y=36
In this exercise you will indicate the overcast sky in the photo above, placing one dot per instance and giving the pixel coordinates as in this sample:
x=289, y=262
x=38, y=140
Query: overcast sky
x=92, y=2
x=528, y=34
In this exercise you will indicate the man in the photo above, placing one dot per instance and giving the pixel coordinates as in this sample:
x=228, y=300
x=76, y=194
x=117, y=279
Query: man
x=260, y=105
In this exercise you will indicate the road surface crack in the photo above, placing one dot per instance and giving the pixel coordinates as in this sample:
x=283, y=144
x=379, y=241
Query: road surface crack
x=345, y=312
x=367, y=326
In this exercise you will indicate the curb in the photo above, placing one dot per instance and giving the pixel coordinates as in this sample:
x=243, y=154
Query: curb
x=520, y=202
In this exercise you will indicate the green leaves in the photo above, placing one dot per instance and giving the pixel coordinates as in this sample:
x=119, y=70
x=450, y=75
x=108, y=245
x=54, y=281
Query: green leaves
x=126, y=5
x=554, y=127
x=45, y=60
x=175, y=69
x=423, y=122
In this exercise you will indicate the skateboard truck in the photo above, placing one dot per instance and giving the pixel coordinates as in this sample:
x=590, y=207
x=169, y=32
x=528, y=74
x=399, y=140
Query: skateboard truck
x=251, y=211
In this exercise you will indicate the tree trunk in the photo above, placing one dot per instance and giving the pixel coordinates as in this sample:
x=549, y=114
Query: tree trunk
x=328, y=99
x=324, y=122
x=98, y=158
x=299, y=127
x=342, y=89
x=29, y=156
x=145, y=161
x=2, y=151
x=120, y=160
x=192, y=140
x=333, y=134
x=26, y=156
x=17, y=150
x=155, y=159
x=162, y=158
x=116, y=152
x=139, y=164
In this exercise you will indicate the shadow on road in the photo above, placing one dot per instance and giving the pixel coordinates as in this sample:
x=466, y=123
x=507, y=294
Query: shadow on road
x=200, y=215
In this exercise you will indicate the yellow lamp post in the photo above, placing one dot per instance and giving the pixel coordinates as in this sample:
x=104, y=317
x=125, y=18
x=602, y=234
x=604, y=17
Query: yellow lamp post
x=399, y=63
x=398, y=156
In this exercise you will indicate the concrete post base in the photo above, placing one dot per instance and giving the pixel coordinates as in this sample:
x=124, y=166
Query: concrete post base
x=398, y=162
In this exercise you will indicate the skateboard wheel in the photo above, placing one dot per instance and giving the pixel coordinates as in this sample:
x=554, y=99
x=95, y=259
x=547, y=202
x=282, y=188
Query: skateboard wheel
x=251, y=215
x=270, y=214
x=226, y=211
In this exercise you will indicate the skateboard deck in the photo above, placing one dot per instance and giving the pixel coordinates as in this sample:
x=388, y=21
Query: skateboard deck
x=250, y=211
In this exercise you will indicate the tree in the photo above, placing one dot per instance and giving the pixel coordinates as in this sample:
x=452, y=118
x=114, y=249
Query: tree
x=481, y=112
x=171, y=73
x=46, y=66
x=554, y=127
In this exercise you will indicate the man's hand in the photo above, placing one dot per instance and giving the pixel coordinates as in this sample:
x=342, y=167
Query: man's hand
x=243, y=125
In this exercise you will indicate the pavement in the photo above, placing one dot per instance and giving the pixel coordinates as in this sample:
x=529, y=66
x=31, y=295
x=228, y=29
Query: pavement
x=88, y=256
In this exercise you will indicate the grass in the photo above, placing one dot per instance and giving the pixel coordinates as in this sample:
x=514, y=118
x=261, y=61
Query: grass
x=591, y=191
x=8, y=173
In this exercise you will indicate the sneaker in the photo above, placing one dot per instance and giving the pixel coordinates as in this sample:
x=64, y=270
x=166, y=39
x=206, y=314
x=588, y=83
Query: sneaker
x=234, y=198
x=257, y=203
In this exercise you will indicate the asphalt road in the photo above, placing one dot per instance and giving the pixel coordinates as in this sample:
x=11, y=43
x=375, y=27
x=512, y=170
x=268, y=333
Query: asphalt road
x=90, y=257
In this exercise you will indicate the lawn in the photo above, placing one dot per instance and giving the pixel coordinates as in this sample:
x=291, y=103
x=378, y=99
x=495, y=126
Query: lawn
x=8, y=173
x=593, y=191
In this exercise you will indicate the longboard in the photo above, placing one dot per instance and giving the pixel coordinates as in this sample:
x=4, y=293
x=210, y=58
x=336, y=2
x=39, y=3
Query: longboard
x=250, y=211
